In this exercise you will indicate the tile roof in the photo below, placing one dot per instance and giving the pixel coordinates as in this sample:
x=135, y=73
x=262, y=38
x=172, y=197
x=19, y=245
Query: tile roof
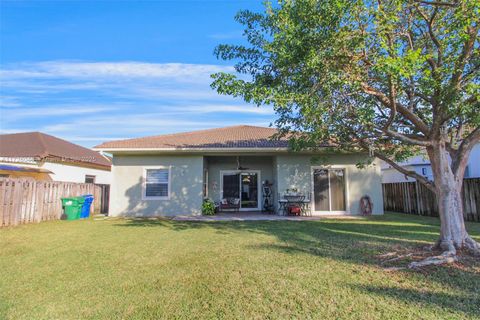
x=222, y=138
x=41, y=145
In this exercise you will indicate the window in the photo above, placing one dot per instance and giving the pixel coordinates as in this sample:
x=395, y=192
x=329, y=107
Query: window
x=205, y=183
x=329, y=189
x=89, y=179
x=157, y=184
x=424, y=171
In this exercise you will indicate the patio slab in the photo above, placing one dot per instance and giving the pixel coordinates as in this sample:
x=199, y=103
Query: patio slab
x=255, y=216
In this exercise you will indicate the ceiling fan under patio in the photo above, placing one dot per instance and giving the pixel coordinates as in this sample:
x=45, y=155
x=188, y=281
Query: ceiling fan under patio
x=239, y=167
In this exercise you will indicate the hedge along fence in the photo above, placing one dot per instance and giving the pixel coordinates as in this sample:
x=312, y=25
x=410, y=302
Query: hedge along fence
x=414, y=198
x=26, y=201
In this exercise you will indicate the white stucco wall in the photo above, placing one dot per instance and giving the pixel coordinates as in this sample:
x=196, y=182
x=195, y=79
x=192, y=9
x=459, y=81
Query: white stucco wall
x=64, y=172
x=295, y=171
x=417, y=163
x=126, y=188
x=474, y=163
x=391, y=175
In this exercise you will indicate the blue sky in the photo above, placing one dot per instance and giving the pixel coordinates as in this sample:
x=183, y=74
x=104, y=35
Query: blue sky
x=91, y=71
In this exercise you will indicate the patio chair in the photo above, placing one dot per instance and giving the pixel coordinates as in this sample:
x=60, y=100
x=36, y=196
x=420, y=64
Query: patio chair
x=230, y=204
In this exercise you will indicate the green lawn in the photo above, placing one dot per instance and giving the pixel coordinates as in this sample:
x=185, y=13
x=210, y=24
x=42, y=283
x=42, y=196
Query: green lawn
x=115, y=269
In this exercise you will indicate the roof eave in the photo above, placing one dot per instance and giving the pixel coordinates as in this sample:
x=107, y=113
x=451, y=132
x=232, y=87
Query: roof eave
x=189, y=150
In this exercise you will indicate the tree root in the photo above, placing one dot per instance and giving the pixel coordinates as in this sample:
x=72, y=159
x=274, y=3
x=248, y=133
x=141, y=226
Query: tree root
x=397, y=258
x=473, y=246
x=446, y=257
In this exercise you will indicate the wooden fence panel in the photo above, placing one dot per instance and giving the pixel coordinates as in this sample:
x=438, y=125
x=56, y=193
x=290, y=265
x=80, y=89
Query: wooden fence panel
x=26, y=201
x=415, y=198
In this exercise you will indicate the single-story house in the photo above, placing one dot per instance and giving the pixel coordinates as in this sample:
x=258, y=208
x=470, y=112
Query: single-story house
x=41, y=156
x=172, y=174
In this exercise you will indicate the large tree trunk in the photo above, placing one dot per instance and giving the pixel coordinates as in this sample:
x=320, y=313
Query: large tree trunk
x=448, y=188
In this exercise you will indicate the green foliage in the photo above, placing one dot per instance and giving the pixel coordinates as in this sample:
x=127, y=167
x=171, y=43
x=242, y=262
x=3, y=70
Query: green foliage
x=325, y=67
x=208, y=207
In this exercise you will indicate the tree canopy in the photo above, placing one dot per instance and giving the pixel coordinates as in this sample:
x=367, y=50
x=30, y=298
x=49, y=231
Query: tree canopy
x=388, y=76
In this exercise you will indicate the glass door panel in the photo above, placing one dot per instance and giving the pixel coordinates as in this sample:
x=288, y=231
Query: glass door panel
x=321, y=194
x=249, y=190
x=337, y=189
x=230, y=186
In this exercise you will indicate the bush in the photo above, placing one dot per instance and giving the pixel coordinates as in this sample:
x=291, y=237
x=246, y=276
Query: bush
x=208, y=207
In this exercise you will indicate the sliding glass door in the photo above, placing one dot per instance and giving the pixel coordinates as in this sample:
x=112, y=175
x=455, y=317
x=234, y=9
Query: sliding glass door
x=329, y=190
x=249, y=187
x=243, y=186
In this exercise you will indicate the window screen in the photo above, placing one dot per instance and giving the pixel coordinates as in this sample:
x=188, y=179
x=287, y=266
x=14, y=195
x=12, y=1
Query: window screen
x=156, y=184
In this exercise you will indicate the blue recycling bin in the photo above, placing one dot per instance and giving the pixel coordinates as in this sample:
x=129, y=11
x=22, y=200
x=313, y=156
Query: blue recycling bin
x=85, y=212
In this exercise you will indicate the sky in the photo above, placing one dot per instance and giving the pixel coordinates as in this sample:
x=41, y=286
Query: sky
x=92, y=71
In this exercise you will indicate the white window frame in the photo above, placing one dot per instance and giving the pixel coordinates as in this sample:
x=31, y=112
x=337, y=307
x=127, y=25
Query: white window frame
x=312, y=197
x=205, y=183
x=144, y=183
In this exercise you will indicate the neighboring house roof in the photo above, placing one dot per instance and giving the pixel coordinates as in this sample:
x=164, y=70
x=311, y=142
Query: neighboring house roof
x=43, y=146
x=4, y=167
x=235, y=137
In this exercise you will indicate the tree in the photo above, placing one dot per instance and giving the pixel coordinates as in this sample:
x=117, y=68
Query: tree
x=391, y=77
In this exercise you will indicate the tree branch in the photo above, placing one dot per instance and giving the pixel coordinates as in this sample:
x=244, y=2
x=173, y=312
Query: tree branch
x=460, y=160
x=466, y=53
x=429, y=184
x=407, y=139
x=419, y=124
x=437, y=3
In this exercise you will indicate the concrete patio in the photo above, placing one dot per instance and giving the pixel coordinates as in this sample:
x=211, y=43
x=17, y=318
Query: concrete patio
x=257, y=216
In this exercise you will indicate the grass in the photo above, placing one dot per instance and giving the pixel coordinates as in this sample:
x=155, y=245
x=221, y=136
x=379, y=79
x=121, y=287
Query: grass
x=138, y=269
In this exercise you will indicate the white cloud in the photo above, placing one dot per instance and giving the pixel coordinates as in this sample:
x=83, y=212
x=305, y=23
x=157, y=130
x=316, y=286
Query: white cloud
x=117, y=70
x=221, y=108
x=9, y=102
x=61, y=110
x=91, y=102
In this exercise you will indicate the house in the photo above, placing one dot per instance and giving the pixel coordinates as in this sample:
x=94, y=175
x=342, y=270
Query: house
x=172, y=174
x=44, y=157
x=421, y=165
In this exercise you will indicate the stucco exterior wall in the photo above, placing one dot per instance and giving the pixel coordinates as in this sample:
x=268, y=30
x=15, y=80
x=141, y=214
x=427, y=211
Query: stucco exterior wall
x=127, y=186
x=474, y=163
x=222, y=163
x=295, y=171
x=391, y=175
x=64, y=172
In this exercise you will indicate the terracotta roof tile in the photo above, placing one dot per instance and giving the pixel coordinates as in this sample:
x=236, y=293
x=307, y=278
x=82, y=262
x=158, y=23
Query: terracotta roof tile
x=222, y=138
x=41, y=145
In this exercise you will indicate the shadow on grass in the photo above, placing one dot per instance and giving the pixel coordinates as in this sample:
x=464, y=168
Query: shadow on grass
x=466, y=303
x=352, y=241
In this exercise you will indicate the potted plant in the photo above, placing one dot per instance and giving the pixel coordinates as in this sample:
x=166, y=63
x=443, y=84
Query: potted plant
x=208, y=207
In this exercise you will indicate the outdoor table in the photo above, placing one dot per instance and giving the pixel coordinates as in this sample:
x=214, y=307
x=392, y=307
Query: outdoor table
x=291, y=199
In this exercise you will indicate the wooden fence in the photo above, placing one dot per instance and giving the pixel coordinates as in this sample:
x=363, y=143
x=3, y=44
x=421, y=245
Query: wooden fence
x=26, y=201
x=414, y=198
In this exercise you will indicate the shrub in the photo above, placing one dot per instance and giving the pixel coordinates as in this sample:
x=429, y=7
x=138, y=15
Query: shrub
x=208, y=207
